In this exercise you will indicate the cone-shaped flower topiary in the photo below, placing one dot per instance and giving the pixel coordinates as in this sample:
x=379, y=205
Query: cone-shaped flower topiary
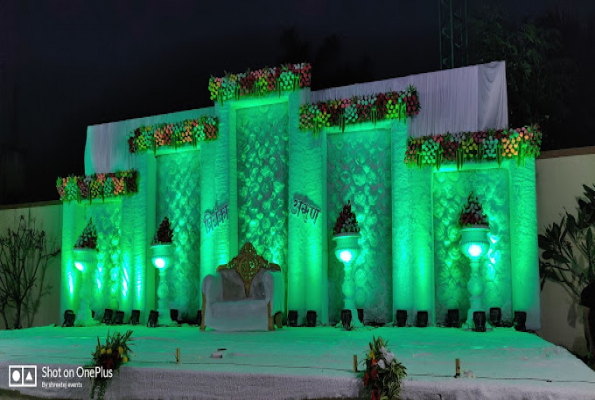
x=165, y=234
x=88, y=239
x=472, y=214
x=347, y=221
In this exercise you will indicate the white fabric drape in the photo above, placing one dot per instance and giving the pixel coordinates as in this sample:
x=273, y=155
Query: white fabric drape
x=106, y=149
x=455, y=100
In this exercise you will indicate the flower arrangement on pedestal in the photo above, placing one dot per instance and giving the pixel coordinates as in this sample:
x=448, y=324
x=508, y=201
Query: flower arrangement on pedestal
x=346, y=221
x=165, y=234
x=472, y=214
x=177, y=134
x=287, y=77
x=493, y=144
x=94, y=186
x=109, y=358
x=370, y=108
x=87, y=239
x=383, y=374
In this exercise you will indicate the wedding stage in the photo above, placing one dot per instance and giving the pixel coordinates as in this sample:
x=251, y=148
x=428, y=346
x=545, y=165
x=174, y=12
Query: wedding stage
x=297, y=363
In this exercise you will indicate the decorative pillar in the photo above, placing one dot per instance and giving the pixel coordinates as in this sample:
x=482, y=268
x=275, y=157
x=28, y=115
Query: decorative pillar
x=402, y=232
x=523, y=241
x=307, y=269
x=218, y=182
x=137, y=229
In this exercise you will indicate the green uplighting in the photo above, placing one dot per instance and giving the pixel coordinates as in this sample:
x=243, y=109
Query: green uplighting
x=79, y=266
x=345, y=256
x=159, y=263
x=474, y=250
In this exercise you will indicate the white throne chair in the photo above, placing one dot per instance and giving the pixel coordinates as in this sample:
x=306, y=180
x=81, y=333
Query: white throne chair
x=244, y=294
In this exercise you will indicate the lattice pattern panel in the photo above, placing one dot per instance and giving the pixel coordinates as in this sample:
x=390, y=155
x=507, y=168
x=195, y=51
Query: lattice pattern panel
x=106, y=217
x=263, y=175
x=178, y=198
x=359, y=170
x=450, y=191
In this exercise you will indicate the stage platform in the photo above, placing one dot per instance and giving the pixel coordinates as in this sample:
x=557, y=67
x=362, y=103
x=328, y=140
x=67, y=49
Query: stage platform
x=297, y=363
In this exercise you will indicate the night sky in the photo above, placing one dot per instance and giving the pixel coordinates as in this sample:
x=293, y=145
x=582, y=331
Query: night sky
x=69, y=64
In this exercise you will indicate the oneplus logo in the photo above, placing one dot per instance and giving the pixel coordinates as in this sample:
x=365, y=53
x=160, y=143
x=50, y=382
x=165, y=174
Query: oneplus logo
x=22, y=376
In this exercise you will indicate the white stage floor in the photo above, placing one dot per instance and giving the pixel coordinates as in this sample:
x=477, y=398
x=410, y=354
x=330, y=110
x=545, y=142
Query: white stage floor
x=296, y=363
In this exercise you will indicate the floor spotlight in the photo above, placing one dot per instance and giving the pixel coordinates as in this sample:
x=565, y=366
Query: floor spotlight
x=69, y=317
x=401, y=318
x=479, y=320
x=452, y=319
x=422, y=319
x=495, y=316
x=292, y=318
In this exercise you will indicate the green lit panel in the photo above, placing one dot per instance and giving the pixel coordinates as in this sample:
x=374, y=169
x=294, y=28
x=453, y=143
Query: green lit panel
x=523, y=233
x=178, y=198
x=452, y=270
x=263, y=173
x=106, y=279
x=359, y=169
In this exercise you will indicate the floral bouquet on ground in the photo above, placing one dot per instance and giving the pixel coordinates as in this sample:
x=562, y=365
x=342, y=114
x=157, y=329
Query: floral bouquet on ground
x=384, y=374
x=347, y=221
x=165, y=234
x=472, y=214
x=107, y=359
x=88, y=239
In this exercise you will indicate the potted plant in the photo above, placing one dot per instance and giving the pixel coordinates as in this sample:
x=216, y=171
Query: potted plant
x=474, y=245
x=162, y=254
x=85, y=260
x=474, y=228
x=346, y=236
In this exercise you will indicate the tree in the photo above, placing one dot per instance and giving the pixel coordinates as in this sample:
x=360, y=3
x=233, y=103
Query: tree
x=539, y=74
x=24, y=259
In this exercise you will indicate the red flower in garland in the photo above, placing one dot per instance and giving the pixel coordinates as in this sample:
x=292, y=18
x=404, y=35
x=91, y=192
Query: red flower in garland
x=366, y=379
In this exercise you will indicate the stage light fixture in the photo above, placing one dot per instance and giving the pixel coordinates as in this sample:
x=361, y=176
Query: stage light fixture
x=346, y=319
x=107, y=316
x=422, y=319
x=292, y=318
x=520, y=319
x=311, y=318
x=401, y=318
x=452, y=319
x=152, y=322
x=69, y=317
x=495, y=316
x=479, y=321
x=134, y=317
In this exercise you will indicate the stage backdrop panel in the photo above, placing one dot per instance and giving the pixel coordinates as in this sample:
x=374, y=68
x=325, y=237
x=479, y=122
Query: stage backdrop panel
x=107, y=280
x=359, y=169
x=452, y=270
x=178, y=198
x=263, y=173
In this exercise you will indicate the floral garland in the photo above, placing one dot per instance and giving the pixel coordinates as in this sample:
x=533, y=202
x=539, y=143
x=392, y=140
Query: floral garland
x=95, y=186
x=384, y=374
x=88, y=239
x=372, y=108
x=474, y=146
x=472, y=213
x=177, y=134
x=346, y=221
x=286, y=78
